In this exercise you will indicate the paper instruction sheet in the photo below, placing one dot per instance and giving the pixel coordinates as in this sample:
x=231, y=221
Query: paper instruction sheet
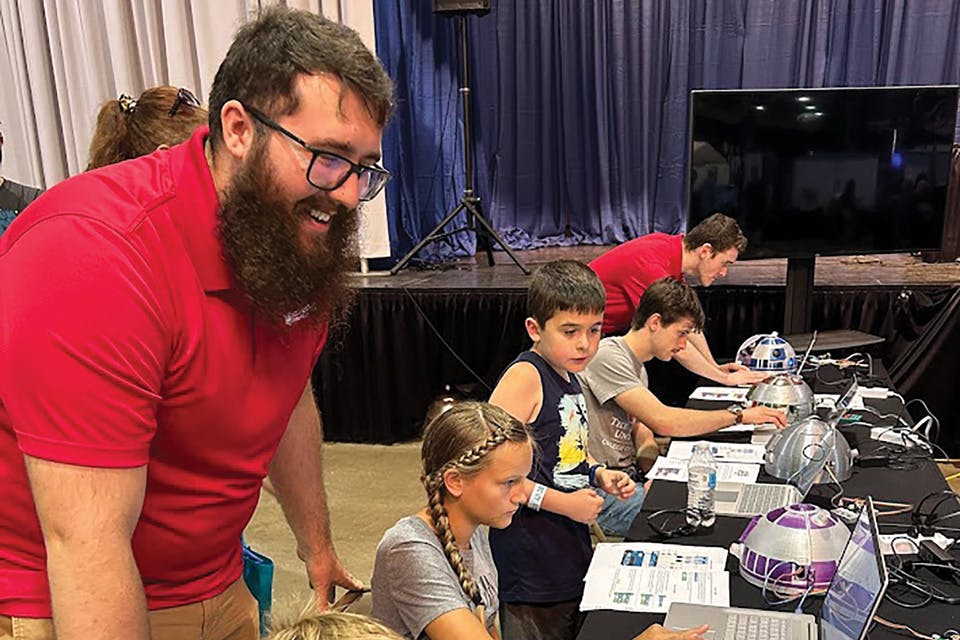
x=639, y=576
x=722, y=451
x=676, y=470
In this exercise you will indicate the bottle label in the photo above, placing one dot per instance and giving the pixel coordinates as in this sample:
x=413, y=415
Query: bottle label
x=712, y=480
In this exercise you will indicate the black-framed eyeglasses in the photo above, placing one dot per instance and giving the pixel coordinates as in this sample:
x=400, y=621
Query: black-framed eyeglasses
x=328, y=171
x=184, y=96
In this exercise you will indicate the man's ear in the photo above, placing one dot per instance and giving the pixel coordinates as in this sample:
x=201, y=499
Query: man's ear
x=654, y=322
x=238, y=130
x=706, y=251
x=453, y=481
x=533, y=329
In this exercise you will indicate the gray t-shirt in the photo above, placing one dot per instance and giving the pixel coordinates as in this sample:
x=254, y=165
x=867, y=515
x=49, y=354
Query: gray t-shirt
x=612, y=371
x=413, y=583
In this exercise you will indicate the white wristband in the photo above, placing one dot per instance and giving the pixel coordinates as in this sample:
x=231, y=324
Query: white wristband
x=536, y=496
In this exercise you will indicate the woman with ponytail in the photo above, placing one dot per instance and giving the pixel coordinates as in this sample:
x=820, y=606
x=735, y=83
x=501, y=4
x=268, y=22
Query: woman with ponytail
x=434, y=576
x=128, y=127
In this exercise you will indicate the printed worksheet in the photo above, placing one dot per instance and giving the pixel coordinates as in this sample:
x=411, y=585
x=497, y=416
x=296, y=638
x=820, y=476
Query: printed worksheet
x=676, y=470
x=722, y=451
x=635, y=576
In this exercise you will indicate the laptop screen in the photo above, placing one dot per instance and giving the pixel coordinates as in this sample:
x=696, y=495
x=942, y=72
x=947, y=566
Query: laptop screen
x=858, y=585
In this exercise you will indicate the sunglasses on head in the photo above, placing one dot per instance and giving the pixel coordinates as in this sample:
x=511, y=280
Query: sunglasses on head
x=184, y=96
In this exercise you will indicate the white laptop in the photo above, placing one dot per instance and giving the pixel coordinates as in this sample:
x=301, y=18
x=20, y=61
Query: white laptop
x=851, y=601
x=748, y=500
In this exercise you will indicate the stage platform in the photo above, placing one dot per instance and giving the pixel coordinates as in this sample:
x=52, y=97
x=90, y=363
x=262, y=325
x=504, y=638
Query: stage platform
x=898, y=269
x=411, y=335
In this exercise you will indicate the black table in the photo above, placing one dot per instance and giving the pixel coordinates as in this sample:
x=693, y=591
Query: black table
x=884, y=484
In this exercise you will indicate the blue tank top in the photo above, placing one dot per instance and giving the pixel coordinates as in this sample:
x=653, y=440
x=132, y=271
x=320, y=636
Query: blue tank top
x=543, y=557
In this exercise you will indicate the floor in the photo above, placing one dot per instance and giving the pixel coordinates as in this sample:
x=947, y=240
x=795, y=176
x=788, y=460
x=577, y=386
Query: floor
x=369, y=488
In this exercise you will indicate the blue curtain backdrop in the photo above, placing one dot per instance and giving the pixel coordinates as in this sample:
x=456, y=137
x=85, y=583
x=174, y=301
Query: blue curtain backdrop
x=581, y=107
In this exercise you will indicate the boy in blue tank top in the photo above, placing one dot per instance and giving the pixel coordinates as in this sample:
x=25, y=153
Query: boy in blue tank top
x=542, y=557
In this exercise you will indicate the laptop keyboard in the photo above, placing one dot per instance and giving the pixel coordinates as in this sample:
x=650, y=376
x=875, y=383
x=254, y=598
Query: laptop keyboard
x=744, y=626
x=761, y=498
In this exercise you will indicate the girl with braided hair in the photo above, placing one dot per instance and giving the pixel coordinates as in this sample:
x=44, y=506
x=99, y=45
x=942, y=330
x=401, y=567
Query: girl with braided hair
x=434, y=576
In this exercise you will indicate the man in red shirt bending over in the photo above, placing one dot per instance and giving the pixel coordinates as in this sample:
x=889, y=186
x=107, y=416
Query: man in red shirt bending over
x=159, y=320
x=704, y=254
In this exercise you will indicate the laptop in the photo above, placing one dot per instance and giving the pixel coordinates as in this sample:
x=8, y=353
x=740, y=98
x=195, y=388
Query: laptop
x=852, y=600
x=748, y=500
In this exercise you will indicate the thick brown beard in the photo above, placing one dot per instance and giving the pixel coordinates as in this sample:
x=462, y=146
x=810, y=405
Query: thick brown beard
x=279, y=277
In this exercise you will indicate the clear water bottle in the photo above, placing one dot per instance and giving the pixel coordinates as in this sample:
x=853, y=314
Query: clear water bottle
x=701, y=483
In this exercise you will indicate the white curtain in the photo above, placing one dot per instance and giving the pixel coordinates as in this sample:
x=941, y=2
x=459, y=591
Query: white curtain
x=61, y=59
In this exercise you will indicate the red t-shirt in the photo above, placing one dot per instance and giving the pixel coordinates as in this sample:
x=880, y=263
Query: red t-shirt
x=628, y=269
x=123, y=343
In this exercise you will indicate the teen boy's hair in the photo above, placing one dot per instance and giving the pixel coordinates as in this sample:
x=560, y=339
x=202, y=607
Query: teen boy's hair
x=719, y=231
x=673, y=299
x=564, y=285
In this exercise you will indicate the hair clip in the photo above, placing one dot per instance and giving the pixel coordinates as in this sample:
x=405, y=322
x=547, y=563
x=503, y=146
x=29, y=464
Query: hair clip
x=127, y=104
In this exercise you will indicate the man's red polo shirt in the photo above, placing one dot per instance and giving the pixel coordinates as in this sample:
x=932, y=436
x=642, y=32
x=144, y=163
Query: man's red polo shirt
x=124, y=343
x=628, y=269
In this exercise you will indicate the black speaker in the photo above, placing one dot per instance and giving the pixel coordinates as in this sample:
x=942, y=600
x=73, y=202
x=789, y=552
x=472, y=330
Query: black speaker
x=461, y=6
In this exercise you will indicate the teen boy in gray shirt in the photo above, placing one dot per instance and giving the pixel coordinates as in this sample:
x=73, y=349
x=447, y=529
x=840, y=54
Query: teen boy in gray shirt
x=623, y=414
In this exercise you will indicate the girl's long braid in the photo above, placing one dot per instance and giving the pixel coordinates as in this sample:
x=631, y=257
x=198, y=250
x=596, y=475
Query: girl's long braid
x=438, y=513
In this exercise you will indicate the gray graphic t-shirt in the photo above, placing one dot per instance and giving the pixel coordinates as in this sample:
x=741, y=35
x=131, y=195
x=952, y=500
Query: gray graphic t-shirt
x=611, y=372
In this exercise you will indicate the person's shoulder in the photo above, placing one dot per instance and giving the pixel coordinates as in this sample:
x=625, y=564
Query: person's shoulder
x=409, y=529
x=118, y=195
x=522, y=374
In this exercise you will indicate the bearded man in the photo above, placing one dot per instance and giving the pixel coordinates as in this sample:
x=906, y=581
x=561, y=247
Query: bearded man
x=159, y=321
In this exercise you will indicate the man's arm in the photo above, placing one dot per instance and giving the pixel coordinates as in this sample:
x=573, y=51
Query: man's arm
x=696, y=357
x=88, y=516
x=672, y=421
x=296, y=473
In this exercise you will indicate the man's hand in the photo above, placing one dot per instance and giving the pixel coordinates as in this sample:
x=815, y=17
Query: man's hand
x=656, y=632
x=763, y=415
x=582, y=506
x=616, y=483
x=740, y=375
x=326, y=572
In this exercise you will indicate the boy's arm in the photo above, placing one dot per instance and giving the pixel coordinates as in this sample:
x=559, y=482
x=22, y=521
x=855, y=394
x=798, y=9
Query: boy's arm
x=672, y=421
x=520, y=393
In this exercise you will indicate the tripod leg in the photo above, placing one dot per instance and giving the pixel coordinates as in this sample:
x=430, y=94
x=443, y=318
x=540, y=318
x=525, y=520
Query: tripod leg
x=483, y=238
x=492, y=234
x=427, y=239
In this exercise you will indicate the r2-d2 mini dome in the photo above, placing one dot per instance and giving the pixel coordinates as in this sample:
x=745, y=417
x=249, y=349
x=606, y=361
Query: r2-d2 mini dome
x=767, y=352
x=785, y=392
x=791, y=549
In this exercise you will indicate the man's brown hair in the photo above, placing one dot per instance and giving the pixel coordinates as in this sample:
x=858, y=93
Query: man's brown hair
x=673, y=299
x=719, y=231
x=269, y=53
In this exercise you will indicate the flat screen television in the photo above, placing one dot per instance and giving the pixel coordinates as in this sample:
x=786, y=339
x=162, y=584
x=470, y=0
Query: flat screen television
x=807, y=172
x=824, y=171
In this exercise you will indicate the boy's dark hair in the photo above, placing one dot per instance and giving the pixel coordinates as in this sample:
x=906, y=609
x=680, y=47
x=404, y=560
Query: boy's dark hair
x=719, y=231
x=564, y=285
x=673, y=299
x=269, y=53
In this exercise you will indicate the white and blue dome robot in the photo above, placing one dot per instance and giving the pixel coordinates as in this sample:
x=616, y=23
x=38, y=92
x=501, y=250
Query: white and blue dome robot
x=768, y=352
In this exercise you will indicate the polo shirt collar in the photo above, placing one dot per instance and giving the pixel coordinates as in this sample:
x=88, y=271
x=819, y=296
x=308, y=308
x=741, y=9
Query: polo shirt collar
x=197, y=212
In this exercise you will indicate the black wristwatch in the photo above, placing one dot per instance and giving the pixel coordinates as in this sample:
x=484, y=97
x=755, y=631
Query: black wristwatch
x=736, y=410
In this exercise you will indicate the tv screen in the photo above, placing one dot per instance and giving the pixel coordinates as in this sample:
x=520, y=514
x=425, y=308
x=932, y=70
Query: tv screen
x=824, y=171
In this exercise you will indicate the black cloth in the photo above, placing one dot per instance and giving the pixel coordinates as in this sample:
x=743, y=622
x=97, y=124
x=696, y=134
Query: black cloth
x=375, y=379
x=542, y=557
x=15, y=196
x=907, y=485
